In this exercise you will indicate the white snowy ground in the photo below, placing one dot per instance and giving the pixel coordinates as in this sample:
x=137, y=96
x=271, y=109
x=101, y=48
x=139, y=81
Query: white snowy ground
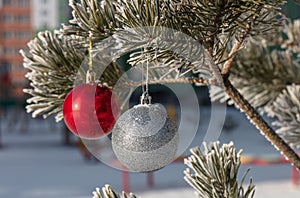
x=36, y=164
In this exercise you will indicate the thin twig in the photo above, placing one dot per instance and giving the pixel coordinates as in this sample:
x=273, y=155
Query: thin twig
x=237, y=45
x=198, y=81
x=261, y=124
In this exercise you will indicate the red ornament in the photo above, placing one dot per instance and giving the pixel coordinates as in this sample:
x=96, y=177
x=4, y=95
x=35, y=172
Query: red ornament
x=90, y=111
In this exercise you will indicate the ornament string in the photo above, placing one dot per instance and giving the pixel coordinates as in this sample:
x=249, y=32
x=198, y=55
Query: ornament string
x=147, y=76
x=90, y=54
x=145, y=98
x=143, y=78
x=90, y=75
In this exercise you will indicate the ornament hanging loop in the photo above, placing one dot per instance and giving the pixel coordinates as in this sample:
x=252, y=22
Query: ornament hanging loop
x=90, y=75
x=145, y=99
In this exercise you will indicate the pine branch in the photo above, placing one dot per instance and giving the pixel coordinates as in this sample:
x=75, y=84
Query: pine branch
x=138, y=13
x=91, y=19
x=55, y=65
x=171, y=54
x=215, y=172
x=291, y=31
x=108, y=192
x=215, y=24
x=233, y=53
x=286, y=110
x=262, y=70
x=260, y=75
x=261, y=124
x=52, y=63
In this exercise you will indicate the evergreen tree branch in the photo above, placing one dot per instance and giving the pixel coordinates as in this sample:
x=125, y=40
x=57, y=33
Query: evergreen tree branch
x=52, y=63
x=291, y=31
x=261, y=124
x=108, y=192
x=263, y=69
x=215, y=172
x=215, y=24
x=286, y=110
x=91, y=19
x=197, y=81
x=233, y=53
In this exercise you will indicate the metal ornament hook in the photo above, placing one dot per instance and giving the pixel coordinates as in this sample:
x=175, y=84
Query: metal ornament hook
x=145, y=99
x=90, y=77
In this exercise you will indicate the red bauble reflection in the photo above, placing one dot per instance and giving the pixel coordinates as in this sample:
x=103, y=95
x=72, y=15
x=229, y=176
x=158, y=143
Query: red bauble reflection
x=90, y=110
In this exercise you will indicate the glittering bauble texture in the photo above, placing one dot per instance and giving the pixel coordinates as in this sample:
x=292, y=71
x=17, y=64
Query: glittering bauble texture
x=90, y=110
x=145, y=138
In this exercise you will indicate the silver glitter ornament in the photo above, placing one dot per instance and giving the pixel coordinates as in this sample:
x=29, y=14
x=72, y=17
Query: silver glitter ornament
x=145, y=138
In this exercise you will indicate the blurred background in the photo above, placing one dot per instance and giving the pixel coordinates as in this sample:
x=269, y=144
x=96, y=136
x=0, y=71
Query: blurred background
x=42, y=158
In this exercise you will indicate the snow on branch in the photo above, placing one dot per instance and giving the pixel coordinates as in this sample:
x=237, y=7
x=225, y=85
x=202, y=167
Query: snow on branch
x=263, y=69
x=108, y=192
x=286, y=110
x=214, y=173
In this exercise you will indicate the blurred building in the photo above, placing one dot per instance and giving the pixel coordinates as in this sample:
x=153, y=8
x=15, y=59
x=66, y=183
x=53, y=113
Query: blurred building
x=15, y=31
x=49, y=14
x=20, y=20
